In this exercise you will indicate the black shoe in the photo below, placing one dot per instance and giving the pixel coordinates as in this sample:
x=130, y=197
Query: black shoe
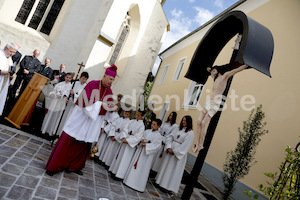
x=79, y=172
x=50, y=173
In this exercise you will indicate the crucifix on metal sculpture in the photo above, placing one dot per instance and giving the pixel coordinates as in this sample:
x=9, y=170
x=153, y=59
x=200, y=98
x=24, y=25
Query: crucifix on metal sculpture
x=254, y=49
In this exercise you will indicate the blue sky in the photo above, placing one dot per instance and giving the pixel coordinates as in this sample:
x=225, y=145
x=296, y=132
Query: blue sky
x=187, y=15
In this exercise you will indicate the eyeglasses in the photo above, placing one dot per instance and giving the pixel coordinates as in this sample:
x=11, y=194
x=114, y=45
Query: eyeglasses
x=12, y=51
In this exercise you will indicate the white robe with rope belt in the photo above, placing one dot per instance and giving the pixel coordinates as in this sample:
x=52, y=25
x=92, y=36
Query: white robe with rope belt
x=133, y=133
x=138, y=172
x=165, y=130
x=109, y=118
x=111, y=147
x=56, y=107
x=171, y=170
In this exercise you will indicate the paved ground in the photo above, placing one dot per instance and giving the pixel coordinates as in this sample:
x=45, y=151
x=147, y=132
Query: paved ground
x=23, y=157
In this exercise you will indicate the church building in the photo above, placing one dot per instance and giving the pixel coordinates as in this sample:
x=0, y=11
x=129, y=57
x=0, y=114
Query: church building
x=97, y=33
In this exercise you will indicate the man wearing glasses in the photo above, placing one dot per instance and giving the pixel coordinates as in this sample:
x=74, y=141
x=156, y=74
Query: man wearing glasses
x=5, y=66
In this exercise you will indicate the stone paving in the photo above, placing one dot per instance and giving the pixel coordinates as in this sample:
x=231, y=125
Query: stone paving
x=23, y=157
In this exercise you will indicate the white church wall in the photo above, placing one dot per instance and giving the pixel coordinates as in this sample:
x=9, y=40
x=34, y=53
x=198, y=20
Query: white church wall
x=79, y=33
x=141, y=63
x=96, y=60
x=133, y=70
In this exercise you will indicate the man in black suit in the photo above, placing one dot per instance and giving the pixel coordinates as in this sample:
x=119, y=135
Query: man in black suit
x=46, y=69
x=28, y=66
x=59, y=75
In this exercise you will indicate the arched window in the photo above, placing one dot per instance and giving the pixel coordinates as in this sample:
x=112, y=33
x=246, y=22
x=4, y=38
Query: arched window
x=40, y=15
x=121, y=40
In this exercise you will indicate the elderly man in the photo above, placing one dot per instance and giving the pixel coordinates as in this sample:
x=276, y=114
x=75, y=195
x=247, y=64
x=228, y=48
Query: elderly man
x=28, y=66
x=5, y=66
x=59, y=75
x=46, y=70
x=83, y=126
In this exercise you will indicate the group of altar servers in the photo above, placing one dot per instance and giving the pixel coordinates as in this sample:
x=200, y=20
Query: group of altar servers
x=130, y=152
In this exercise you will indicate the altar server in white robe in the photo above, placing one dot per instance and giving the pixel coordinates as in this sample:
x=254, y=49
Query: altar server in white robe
x=109, y=118
x=130, y=136
x=166, y=128
x=58, y=98
x=138, y=172
x=113, y=138
x=78, y=86
x=5, y=67
x=178, y=143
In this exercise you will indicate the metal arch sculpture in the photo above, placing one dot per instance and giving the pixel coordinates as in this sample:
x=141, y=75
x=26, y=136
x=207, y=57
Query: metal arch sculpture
x=255, y=49
x=256, y=46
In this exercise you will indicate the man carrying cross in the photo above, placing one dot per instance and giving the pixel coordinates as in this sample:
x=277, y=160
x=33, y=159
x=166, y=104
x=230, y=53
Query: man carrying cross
x=213, y=104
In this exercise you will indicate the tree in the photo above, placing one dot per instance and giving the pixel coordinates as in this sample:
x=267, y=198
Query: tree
x=239, y=160
x=146, y=93
x=286, y=185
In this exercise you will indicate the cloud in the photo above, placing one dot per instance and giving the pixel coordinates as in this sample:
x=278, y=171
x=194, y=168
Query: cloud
x=219, y=3
x=179, y=27
x=176, y=13
x=192, y=1
x=203, y=15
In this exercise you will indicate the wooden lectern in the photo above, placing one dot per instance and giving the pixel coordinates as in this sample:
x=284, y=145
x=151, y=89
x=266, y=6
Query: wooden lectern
x=25, y=105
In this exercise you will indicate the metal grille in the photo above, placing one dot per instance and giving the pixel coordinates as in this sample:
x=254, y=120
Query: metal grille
x=118, y=46
x=50, y=20
x=24, y=11
x=38, y=14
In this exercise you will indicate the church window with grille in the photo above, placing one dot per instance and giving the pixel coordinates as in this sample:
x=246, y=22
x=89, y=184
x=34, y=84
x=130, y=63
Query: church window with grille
x=121, y=40
x=39, y=15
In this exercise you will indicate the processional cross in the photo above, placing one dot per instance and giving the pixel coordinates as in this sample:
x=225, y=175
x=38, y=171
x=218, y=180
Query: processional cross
x=255, y=49
x=80, y=66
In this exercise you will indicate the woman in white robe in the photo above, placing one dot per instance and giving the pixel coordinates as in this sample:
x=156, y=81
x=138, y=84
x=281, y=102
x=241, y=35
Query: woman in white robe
x=138, y=172
x=178, y=143
x=114, y=141
x=165, y=130
x=58, y=98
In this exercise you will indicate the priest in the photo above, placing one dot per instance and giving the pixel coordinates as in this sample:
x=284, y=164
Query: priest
x=5, y=66
x=83, y=126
